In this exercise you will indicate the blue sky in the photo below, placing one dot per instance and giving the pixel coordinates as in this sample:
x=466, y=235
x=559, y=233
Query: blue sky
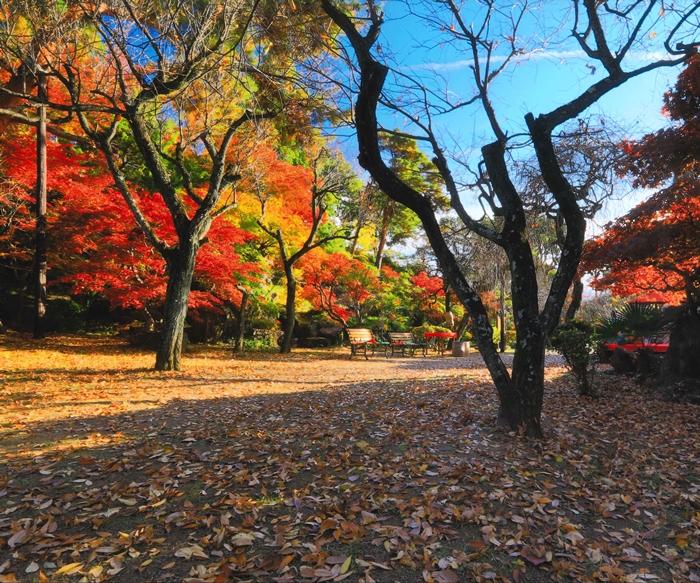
x=551, y=75
x=555, y=71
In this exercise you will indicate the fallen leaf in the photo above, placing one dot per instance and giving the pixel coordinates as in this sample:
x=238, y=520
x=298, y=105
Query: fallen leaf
x=32, y=567
x=69, y=569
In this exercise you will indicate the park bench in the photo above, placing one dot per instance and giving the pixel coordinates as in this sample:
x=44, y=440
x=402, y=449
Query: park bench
x=363, y=339
x=404, y=341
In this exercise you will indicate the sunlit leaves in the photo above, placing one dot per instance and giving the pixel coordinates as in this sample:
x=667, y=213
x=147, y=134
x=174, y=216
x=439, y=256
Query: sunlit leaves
x=656, y=246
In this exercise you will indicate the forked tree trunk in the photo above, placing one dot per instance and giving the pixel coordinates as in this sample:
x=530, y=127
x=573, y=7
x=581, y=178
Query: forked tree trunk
x=520, y=392
x=181, y=263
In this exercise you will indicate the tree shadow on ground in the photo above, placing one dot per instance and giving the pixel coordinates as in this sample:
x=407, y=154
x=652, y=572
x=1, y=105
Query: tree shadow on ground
x=398, y=476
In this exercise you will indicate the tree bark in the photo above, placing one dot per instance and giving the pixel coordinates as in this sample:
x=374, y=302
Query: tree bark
x=148, y=319
x=355, y=237
x=240, y=327
x=181, y=263
x=502, y=313
x=462, y=326
x=290, y=308
x=383, y=231
x=576, y=298
x=40, y=249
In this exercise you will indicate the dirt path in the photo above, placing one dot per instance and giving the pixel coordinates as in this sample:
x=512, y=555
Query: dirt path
x=106, y=377
x=312, y=467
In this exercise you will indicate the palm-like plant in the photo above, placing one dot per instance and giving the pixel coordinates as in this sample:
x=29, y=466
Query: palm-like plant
x=635, y=321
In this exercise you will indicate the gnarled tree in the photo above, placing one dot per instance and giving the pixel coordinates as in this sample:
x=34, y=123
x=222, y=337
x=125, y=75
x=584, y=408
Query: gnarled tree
x=490, y=34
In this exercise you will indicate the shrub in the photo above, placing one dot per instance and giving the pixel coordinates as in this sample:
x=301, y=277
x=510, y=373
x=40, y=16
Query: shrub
x=420, y=330
x=634, y=320
x=574, y=340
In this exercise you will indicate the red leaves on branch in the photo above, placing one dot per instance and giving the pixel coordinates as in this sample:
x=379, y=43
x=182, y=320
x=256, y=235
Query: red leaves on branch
x=656, y=246
x=95, y=244
x=337, y=284
x=672, y=151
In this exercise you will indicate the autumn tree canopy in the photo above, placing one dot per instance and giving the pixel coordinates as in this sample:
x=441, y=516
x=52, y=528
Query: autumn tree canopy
x=95, y=245
x=294, y=204
x=164, y=91
x=656, y=246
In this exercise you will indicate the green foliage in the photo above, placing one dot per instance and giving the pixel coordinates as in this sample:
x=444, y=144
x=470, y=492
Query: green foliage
x=633, y=320
x=418, y=331
x=263, y=344
x=575, y=341
x=263, y=313
x=415, y=168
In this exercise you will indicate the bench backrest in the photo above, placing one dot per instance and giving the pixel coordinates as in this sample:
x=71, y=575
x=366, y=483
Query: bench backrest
x=401, y=336
x=358, y=335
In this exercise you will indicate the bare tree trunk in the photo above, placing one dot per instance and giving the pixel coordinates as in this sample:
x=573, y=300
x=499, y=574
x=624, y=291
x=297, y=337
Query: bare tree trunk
x=502, y=313
x=148, y=319
x=462, y=326
x=290, y=308
x=181, y=263
x=240, y=326
x=448, y=296
x=383, y=232
x=355, y=237
x=40, y=252
x=576, y=298
x=522, y=409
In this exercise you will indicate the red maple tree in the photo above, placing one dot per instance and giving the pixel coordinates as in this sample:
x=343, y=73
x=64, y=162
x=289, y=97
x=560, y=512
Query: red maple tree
x=656, y=246
x=339, y=285
x=95, y=243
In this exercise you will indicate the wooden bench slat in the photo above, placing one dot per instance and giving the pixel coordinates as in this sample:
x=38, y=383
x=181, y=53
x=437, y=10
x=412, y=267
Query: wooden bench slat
x=405, y=340
x=362, y=339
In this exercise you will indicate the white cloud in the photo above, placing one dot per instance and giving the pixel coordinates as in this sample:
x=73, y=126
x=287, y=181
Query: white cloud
x=631, y=57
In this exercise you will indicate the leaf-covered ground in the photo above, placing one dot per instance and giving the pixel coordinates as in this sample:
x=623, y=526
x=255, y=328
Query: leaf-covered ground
x=312, y=467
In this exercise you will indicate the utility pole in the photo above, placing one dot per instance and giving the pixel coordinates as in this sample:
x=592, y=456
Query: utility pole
x=40, y=238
